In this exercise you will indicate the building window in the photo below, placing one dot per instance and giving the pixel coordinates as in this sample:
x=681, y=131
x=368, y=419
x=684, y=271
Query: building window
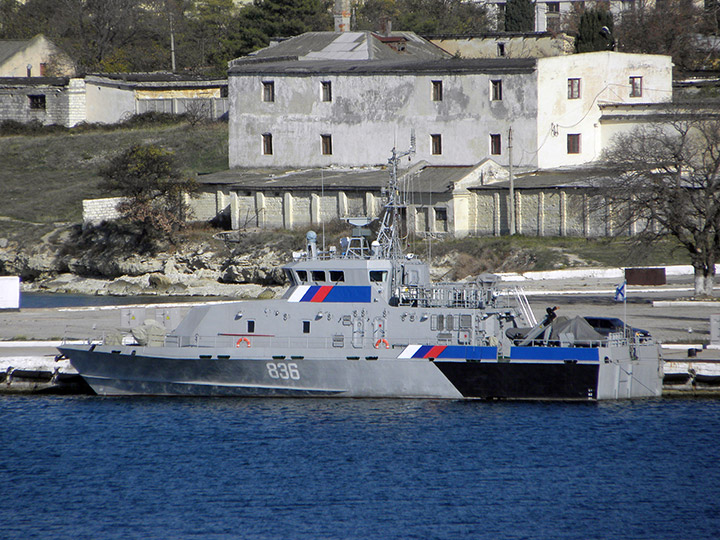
x=437, y=90
x=440, y=219
x=496, y=90
x=573, y=143
x=223, y=91
x=43, y=69
x=501, y=49
x=573, y=88
x=267, y=144
x=495, y=144
x=436, y=141
x=37, y=102
x=326, y=145
x=635, y=86
x=268, y=91
x=553, y=7
x=326, y=90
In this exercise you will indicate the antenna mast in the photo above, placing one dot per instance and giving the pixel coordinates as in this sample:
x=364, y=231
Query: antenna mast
x=389, y=235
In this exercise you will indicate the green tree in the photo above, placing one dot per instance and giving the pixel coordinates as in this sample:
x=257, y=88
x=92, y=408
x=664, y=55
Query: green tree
x=154, y=187
x=595, y=31
x=672, y=28
x=519, y=16
x=424, y=16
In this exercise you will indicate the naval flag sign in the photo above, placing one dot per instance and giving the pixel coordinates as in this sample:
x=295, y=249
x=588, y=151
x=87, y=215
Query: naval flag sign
x=620, y=292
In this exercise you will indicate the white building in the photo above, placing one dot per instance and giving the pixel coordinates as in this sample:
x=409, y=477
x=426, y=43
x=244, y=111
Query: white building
x=290, y=113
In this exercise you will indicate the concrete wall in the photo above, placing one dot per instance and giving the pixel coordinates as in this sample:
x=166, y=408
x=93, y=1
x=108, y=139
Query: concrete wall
x=539, y=212
x=604, y=78
x=109, y=101
x=107, y=104
x=521, y=46
x=369, y=115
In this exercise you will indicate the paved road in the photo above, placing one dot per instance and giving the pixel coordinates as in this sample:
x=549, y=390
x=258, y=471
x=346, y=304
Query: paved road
x=587, y=296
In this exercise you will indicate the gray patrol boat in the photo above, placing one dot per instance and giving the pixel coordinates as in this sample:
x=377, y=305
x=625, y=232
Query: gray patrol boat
x=366, y=321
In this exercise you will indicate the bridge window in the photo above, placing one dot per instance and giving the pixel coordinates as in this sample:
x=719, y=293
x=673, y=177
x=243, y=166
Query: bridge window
x=302, y=275
x=318, y=275
x=337, y=275
x=378, y=276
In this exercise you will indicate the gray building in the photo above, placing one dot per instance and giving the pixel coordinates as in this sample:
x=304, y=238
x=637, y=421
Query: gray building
x=318, y=113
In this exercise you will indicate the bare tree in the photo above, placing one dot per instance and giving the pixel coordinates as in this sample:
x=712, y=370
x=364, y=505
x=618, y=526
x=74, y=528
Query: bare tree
x=668, y=182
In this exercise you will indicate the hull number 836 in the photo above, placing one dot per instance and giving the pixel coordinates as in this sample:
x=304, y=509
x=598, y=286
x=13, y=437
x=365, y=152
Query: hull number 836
x=281, y=370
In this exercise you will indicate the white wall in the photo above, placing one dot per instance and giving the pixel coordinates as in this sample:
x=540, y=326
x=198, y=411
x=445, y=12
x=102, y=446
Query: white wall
x=605, y=78
x=107, y=104
x=9, y=292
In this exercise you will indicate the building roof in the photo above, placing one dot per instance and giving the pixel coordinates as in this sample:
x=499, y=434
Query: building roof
x=347, y=46
x=404, y=66
x=154, y=80
x=10, y=47
x=23, y=82
x=566, y=177
x=420, y=178
x=423, y=179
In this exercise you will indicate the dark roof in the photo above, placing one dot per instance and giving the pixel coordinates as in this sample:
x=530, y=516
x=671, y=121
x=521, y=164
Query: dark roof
x=10, y=47
x=569, y=177
x=347, y=46
x=436, y=179
x=156, y=76
x=308, y=179
x=18, y=82
x=429, y=179
x=491, y=35
x=452, y=65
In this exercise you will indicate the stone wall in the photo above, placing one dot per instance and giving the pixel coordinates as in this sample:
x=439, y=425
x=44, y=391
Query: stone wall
x=95, y=211
x=539, y=212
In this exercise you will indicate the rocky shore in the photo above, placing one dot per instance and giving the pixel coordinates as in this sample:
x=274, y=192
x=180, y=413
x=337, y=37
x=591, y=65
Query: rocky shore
x=206, y=267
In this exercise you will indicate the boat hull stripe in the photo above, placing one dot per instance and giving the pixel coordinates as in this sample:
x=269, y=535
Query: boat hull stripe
x=449, y=351
x=554, y=353
x=332, y=293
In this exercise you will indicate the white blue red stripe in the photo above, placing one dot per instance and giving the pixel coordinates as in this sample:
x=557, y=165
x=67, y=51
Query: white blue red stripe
x=449, y=351
x=331, y=293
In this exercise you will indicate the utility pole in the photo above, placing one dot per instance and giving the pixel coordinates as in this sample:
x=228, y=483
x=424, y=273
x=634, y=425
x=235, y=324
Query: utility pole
x=511, y=203
x=172, y=44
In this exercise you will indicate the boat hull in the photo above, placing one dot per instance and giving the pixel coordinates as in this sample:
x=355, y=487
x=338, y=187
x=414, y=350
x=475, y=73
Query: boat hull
x=190, y=371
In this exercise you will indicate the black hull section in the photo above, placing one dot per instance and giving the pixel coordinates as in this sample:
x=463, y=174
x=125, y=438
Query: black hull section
x=506, y=380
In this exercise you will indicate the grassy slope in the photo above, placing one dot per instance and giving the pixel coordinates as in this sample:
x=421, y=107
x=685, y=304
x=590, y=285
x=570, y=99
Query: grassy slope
x=43, y=179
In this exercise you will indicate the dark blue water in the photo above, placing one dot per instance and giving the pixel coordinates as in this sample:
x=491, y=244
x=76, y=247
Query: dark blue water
x=88, y=467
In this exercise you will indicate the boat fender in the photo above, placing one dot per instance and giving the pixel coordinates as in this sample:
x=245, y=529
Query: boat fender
x=384, y=341
x=239, y=341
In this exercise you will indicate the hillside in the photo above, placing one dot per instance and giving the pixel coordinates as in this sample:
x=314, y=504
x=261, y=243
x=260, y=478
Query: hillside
x=45, y=176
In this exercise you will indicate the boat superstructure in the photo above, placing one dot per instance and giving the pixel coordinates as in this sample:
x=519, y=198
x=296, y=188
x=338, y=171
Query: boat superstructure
x=363, y=319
